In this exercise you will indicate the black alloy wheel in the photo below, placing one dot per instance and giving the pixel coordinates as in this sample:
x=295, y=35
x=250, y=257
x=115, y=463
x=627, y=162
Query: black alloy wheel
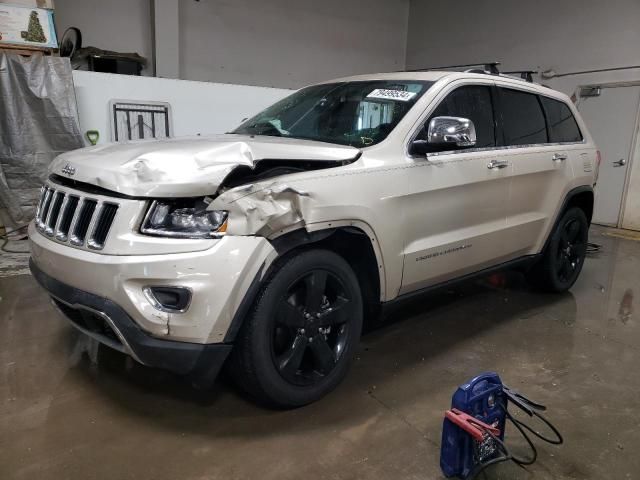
x=564, y=256
x=297, y=344
x=311, y=327
x=571, y=250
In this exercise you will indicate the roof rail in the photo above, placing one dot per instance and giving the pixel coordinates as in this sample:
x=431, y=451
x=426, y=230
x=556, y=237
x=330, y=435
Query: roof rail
x=489, y=67
x=526, y=75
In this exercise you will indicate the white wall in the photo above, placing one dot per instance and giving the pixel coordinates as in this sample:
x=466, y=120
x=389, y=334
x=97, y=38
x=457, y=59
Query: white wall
x=120, y=25
x=197, y=107
x=288, y=43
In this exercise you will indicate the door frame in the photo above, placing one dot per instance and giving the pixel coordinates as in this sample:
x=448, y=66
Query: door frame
x=632, y=145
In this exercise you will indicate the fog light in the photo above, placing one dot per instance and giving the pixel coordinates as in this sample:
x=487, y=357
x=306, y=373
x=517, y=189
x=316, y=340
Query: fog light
x=169, y=299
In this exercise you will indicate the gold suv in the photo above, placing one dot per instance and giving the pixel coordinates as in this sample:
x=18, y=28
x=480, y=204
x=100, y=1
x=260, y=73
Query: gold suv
x=266, y=247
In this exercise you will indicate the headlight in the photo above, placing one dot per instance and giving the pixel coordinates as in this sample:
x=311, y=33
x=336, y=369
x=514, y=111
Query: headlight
x=184, y=218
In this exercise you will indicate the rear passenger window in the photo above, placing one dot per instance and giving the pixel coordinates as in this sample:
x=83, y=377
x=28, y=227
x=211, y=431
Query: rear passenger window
x=522, y=118
x=562, y=124
x=472, y=102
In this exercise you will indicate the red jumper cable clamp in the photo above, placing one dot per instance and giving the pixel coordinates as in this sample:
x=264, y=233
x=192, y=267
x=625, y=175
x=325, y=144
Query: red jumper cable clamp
x=474, y=427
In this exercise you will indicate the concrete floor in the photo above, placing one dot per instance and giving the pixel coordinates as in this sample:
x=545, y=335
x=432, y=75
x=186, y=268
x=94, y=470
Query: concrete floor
x=63, y=415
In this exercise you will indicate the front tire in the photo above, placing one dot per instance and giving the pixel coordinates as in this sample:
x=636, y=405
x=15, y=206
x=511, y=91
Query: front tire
x=297, y=343
x=564, y=256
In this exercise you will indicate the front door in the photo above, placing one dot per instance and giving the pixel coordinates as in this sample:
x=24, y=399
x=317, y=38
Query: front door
x=455, y=206
x=611, y=119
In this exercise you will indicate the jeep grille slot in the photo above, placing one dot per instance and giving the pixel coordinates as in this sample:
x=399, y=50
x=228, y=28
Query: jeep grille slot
x=46, y=202
x=54, y=212
x=83, y=222
x=102, y=226
x=62, y=232
x=40, y=202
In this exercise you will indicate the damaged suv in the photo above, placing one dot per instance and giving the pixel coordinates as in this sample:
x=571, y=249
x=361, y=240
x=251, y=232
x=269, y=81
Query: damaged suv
x=266, y=247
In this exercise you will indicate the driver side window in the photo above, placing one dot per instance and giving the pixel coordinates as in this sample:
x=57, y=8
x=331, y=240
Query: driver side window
x=472, y=102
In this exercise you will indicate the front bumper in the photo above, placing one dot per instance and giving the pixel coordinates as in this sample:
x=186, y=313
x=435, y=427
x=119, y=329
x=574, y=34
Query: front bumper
x=218, y=277
x=108, y=323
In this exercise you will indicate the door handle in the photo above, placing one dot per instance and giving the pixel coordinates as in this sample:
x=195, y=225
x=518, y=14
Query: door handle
x=497, y=164
x=620, y=163
x=559, y=157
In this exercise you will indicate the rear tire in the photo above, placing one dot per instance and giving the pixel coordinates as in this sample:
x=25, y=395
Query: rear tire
x=564, y=256
x=297, y=343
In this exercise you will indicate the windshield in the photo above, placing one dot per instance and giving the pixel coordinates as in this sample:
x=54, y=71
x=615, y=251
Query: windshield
x=359, y=114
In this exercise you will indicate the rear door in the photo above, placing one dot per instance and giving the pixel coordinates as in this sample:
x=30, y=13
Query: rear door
x=456, y=204
x=542, y=140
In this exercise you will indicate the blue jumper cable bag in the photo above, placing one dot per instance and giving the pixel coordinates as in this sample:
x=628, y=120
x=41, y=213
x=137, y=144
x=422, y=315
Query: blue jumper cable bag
x=473, y=432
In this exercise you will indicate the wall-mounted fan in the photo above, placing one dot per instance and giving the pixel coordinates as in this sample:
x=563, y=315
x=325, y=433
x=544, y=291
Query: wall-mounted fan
x=71, y=42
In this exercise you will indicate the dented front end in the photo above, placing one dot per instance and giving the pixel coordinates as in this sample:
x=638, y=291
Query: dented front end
x=241, y=175
x=252, y=182
x=194, y=166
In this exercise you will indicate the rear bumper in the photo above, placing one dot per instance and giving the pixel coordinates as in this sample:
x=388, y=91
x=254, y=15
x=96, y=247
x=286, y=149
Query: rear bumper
x=108, y=323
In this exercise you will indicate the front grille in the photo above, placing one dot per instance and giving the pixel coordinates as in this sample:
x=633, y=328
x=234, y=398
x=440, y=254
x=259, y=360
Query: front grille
x=75, y=219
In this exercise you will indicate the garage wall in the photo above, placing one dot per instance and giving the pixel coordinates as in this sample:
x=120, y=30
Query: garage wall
x=567, y=36
x=289, y=44
x=120, y=25
x=279, y=43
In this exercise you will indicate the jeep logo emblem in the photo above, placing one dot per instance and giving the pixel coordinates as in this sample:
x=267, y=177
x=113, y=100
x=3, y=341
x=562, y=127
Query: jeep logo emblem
x=69, y=170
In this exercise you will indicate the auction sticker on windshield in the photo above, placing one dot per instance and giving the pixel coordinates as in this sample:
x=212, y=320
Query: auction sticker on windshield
x=387, y=94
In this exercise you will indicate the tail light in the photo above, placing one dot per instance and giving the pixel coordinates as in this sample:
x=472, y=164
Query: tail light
x=598, y=160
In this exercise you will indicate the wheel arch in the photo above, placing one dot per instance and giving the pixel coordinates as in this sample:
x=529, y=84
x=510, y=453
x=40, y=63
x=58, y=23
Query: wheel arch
x=354, y=241
x=581, y=197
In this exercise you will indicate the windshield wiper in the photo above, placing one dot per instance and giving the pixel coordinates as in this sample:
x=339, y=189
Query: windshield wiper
x=267, y=129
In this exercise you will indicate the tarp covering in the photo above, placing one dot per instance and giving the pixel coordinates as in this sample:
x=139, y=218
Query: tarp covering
x=38, y=121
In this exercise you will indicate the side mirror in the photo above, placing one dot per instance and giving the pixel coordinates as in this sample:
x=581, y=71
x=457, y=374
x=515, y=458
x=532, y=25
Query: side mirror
x=452, y=131
x=446, y=133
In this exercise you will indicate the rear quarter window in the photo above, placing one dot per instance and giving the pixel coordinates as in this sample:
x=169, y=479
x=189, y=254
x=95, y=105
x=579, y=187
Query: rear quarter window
x=522, y=118
x=562, y=124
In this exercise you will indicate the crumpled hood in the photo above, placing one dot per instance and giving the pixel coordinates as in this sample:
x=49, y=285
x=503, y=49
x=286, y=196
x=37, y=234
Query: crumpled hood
x=189, y=166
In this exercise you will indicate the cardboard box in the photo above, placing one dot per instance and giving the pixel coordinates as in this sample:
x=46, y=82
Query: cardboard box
x=27, y=27
x=31, y=3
